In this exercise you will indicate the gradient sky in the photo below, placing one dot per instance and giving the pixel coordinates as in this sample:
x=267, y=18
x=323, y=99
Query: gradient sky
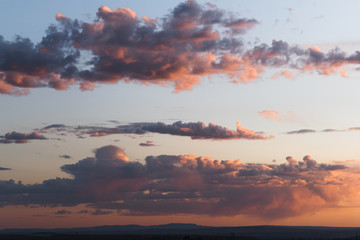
x=216, y=113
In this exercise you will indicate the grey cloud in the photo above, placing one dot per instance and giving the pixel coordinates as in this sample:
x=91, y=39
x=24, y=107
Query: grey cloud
x=147, y=144
x=62, y=212
x=16, y=137
x=195, y=130
x=101, y=212
x=198, y=130
x=301, y=131
x=3, y=168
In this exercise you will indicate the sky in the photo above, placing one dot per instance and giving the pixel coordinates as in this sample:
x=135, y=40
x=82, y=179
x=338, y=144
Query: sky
x=221, y=113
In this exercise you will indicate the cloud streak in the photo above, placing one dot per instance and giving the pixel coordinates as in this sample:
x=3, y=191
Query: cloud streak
x=195, y=130
x=189, y=184
x=4, y=169
x=147, y=144
x=199, y=130
x=328, y=130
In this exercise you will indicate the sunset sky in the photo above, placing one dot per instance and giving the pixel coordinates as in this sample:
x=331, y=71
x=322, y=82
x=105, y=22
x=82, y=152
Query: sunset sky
x=222, y=113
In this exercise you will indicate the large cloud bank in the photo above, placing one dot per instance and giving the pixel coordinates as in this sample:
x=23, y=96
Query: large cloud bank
x=189, y=184
x=190, y=42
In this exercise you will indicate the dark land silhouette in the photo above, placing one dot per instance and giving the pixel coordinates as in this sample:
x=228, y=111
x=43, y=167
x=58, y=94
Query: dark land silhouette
x=184, y=232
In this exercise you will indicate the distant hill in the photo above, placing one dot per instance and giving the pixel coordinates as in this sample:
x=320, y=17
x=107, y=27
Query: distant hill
x=190, y=231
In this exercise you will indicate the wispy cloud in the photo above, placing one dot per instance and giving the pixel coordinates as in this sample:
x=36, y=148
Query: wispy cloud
x=279, y=116
x=328, y=130
x=301, y=131
x=181, y=184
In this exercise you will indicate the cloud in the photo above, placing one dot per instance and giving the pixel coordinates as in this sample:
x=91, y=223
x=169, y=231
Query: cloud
x=195, y=130
x=198, y=130
x=328, y=130
x=189, y=184
x=270, y=114
x=56, y=126
x=62, y=212
x=101, y=212
x=16, y=137
x=65, y=156
x=301, y=131
x=147, y=144
x=3, y=168
x=190, y=42
x=284, y=73
x=181, y=47
x=279, y=116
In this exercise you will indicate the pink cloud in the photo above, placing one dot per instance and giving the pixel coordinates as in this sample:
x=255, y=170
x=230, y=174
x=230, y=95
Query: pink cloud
x=276, y=115
x=191, y=42
x=198, y=130
x=189, y=184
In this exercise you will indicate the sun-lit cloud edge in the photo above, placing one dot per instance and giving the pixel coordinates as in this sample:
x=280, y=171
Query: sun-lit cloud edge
x=190, y=184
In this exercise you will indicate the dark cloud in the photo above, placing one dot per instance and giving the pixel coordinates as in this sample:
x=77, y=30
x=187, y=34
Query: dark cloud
x=188, y=184
x=302, y=131
x=328, y=130
x=65, y=156
x=195, y=130
x=62, y=212
x=83, y=211
x=198, y=130
x=147, y=144
x=98, y=131
x=16, y=137
x=56, y=126
x=101, y=212
x=3, y=168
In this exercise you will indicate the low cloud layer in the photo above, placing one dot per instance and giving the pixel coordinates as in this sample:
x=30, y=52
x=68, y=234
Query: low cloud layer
x=190, y=42
x=189, y=184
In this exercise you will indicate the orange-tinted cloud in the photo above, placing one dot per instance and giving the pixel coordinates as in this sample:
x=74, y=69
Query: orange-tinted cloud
x=198, y=130
x=190, y=42
x=284, y=73
x=195, y=130
x=276, y=115
x=188, y=184
x=16, y=137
